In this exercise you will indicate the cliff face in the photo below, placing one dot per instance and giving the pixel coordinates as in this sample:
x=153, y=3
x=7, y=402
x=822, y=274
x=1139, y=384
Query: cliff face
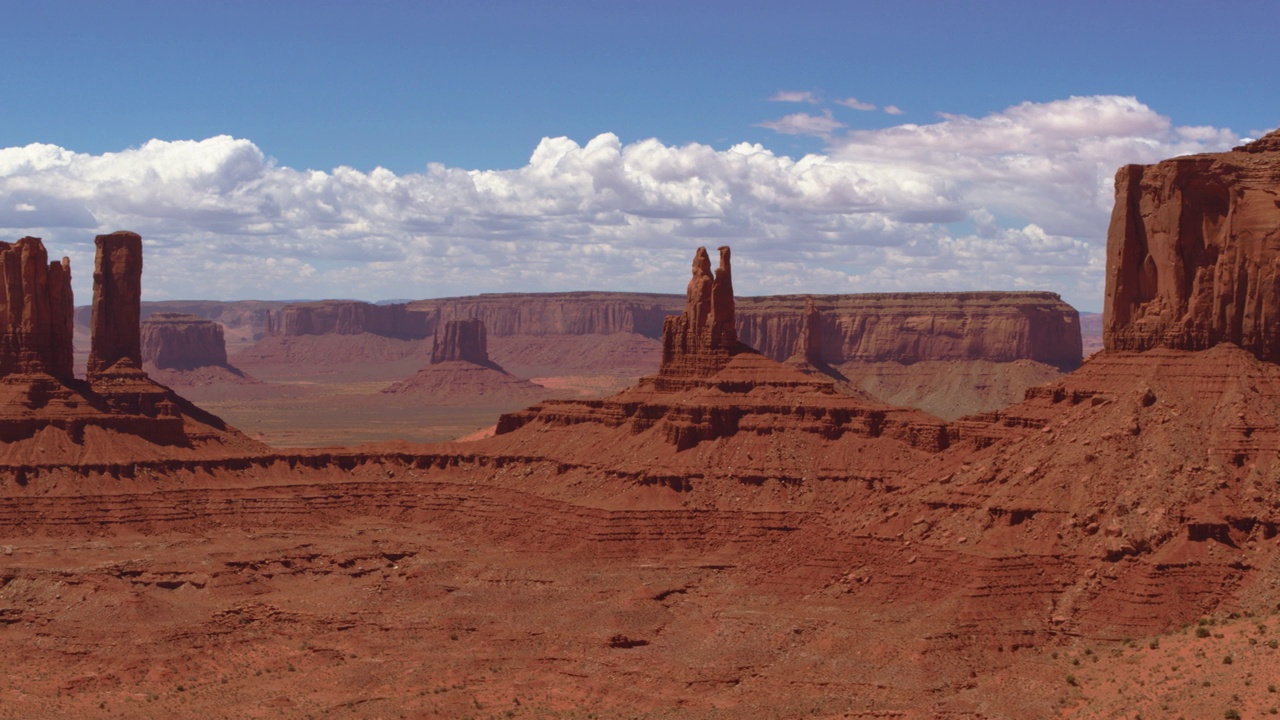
x=36, y=311
x=917, y=327
x=182, y=342
x=350, y=317
x=117, y=302
x=573, y=313
x=1193, y=253
x=461, y=340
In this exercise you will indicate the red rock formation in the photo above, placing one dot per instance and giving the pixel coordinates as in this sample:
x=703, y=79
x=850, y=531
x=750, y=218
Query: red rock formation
x=700, y=342
x=461, y=340
x=711, y=387
x=36, y=311
x=179, y=341
x=808, y=348
x=919, y=327
x=1193, y=254
x=351, y=317
x=572, y=313
x=461, y=371
x=117, y=303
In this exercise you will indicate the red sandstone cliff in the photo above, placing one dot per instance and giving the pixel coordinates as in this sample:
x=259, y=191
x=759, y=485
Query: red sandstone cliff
x=182, y=342
x=919, y=327
x=1192, y=253
x=36, y=311
x=351, y=317
x=117, y=302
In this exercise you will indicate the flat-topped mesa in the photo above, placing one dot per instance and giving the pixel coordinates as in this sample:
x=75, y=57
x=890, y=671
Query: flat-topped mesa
x=351, y=317
x=1193, y=253
x=117, y=303
x=700, y=342
x=37, y=311
x=181, y=341
x=463, y=340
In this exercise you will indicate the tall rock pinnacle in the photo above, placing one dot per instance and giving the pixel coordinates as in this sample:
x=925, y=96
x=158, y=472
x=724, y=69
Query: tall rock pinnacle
x=698, y=342
x=36, y=311
x=117, y=302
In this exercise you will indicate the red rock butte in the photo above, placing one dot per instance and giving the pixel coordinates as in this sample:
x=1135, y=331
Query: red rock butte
x=37, y=314
x=181, y=341
x=1193, y=253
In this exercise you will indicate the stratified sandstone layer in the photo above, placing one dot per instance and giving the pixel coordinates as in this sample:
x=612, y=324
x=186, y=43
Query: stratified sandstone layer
x=1192, y=253
x=178, y=341
x=36, y=311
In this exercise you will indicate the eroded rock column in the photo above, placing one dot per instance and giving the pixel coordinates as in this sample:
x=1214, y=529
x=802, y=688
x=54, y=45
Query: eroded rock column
x=117, y=303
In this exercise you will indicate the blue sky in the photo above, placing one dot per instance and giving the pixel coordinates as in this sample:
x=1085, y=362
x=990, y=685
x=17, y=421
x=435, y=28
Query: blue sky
x=443, y=93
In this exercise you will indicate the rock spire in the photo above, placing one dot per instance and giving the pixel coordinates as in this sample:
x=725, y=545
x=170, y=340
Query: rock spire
x=698, y=342
x=117, y=303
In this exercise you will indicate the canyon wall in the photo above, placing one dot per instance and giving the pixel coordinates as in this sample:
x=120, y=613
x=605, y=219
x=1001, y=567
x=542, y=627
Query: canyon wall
x=571, y=313
x=179, y=341
x=1193, y=253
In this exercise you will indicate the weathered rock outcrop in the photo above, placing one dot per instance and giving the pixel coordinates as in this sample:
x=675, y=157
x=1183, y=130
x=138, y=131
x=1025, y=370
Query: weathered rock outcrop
x=462, y=340
x=710, y=387
x=700, y=342
x=460, y=371
x=36, y=311
x=117, y=302
x=351, y=317
x=179, y=341
x=47, y=415
x=1193, y=253
x=918, y=327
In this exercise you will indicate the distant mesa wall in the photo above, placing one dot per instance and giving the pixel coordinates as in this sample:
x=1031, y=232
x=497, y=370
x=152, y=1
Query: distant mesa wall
x=901, y=327
x=36, y=311
x=352, y=317
x=1193, y=253
x=571, y=313
x=179, y=341
x=917, y=327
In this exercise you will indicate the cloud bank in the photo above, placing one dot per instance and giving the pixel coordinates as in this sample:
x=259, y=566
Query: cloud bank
x=1018, y=199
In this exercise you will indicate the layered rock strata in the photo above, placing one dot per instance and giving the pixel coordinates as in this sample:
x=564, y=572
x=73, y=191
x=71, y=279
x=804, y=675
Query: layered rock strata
x=178, y=341
x=1192, y=253
x=36, y=311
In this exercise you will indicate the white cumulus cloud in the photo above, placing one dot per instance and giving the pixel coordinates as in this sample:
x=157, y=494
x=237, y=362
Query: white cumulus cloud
x=796, y=96
x=856, y=104
x=1018, y=199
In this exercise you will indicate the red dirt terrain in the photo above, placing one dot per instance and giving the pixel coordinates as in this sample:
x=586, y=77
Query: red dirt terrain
x=731, y=537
